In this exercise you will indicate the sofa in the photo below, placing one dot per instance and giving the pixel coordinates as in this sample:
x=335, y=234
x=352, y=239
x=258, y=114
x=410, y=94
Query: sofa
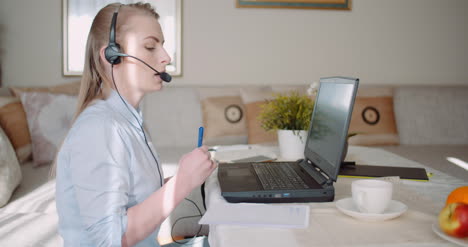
x=426, y=124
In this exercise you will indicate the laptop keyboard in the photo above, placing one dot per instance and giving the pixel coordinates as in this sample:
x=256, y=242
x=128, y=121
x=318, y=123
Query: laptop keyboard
x=278, y=176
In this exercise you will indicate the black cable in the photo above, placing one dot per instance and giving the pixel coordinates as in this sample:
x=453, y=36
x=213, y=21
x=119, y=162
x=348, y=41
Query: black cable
x=202, y=189
x=186, y=217
x=142, y=130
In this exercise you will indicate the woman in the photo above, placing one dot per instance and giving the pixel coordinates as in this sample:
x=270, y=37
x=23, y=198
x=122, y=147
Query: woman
x=110, y=190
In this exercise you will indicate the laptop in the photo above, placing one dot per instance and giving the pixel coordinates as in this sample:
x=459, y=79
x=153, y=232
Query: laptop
x=309, y=179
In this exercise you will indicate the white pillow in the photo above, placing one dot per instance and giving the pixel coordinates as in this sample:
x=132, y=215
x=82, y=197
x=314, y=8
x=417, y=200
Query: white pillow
x=49, y=119
x=10, y=171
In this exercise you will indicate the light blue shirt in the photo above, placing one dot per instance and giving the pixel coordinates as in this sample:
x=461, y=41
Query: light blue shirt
x=103, y=168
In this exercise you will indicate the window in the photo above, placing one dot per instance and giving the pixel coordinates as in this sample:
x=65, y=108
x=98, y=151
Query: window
x=78, y=16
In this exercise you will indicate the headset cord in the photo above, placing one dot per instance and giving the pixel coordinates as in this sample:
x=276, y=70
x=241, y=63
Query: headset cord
x=157, y=163
x=202, y=190
x=141, y=126
x=187, y=217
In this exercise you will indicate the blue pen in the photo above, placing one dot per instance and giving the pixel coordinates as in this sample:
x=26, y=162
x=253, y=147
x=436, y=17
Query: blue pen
x=200, y=136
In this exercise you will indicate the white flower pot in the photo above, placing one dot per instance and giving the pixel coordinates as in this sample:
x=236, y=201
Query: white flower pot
x=292, y=144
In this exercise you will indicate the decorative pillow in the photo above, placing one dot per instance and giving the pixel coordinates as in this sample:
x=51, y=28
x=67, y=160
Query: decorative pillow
x=10, y=171
x=253, y=98
x=49, y=118
x=223, y=117
x=373, y=118
x=14, y=123
x=72, y=88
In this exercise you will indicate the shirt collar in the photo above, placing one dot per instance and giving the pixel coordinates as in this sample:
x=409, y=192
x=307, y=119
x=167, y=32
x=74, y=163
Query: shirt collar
x=134, y=116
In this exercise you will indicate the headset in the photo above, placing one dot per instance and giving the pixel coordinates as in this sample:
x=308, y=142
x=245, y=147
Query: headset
x=113, y=54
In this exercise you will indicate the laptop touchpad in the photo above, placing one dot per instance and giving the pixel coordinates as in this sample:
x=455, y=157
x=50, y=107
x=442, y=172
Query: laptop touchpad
x=238, y=172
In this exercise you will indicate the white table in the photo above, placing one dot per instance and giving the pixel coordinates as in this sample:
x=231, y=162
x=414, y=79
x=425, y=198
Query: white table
x=330, y=227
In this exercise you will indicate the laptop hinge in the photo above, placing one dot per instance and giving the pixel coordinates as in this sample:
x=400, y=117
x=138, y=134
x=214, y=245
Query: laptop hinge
x=320, y=176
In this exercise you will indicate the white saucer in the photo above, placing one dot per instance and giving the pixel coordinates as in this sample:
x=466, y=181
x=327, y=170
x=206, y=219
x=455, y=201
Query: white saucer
x=438, y=231
x=395, y=209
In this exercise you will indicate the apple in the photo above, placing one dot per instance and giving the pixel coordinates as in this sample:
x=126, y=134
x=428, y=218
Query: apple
x=453, y=219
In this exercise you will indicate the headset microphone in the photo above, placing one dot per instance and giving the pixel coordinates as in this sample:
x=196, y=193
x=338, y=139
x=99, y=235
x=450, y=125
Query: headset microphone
x=165, y=77
x=113, y=54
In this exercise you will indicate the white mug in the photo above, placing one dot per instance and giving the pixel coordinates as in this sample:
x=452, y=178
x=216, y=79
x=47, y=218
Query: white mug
x=371, y=196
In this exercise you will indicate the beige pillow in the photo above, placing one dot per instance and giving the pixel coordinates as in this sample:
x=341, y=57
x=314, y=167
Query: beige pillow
x=256, y=133
x=71, y=88
x=10, y=171
x=49, y=119
x=373, y=118
x=14, y=123
x=253, y=98
x=224, y=120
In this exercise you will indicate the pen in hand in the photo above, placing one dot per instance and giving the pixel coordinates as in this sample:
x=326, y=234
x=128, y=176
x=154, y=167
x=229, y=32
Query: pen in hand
x=200, y=136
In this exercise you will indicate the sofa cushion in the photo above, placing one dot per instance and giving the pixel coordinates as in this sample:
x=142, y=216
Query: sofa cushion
x=224, y=119
x=432, y=115
x=49, y=118
x=373, y=118
x=172, y=117
x=71, y=88
x=10, y=171
x=253, y=98
x=223, y=115
x=14, y=123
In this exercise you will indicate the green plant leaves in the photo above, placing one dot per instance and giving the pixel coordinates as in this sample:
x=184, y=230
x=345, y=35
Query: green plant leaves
x=289, y=111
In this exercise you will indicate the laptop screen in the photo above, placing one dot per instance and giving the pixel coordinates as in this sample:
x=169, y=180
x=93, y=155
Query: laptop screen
x=329, y=124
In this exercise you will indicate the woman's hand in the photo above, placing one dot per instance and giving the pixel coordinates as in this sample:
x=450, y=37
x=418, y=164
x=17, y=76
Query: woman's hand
x=195, y=167
x=145, y=217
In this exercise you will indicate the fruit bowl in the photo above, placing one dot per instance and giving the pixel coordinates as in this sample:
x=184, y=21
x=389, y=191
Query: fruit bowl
x=459, y=241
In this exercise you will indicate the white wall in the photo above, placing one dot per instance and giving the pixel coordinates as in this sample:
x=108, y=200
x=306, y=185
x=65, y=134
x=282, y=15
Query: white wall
x=380, y=41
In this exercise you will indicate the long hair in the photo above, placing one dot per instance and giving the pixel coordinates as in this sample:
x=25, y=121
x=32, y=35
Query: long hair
x=94, y=76
x=95, y=80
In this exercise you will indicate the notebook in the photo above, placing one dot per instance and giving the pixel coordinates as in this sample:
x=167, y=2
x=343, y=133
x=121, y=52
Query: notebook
x=307, y=180
x=366, y=171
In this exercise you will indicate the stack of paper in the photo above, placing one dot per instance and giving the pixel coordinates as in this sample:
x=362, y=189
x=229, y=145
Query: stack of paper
x=284, y=216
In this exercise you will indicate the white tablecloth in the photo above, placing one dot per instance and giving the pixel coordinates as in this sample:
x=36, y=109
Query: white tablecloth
x=330, y=227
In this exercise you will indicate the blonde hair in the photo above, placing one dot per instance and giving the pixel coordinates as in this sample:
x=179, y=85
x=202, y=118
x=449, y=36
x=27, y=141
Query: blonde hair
x=94, y=75
x=93, y=72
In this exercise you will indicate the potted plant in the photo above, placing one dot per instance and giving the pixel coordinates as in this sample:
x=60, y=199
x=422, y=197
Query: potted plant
x=289, y=114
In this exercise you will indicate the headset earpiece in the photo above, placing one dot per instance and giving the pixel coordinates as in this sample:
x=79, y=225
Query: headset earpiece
x=112, y=52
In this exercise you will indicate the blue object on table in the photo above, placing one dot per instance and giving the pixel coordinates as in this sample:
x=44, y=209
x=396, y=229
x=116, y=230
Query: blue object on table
x=200, y=136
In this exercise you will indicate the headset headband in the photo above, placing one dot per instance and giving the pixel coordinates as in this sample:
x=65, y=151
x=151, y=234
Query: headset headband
x=112, y=28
